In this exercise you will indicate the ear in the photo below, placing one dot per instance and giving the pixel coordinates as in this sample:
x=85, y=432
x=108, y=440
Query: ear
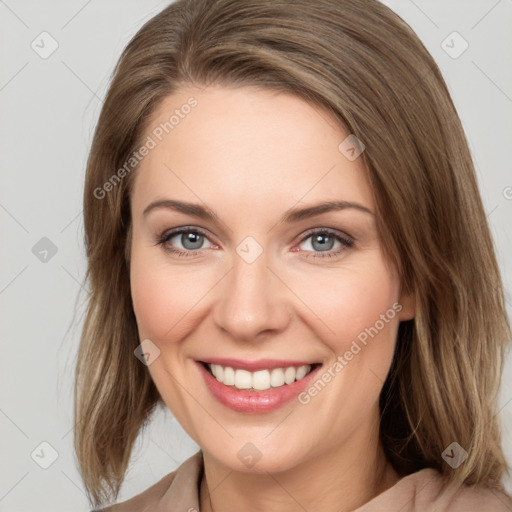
x=408, y=302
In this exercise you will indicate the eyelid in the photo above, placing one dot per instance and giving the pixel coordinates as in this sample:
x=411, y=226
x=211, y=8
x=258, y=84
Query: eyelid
x=328, y=231
x=171, y=233
x=182, y=229
x=346, y=240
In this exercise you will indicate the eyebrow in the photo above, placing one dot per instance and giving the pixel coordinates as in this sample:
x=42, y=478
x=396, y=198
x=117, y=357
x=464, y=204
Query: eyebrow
x=290, y=216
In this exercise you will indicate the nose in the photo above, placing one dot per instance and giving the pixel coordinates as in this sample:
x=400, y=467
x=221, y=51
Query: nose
x=253, y=302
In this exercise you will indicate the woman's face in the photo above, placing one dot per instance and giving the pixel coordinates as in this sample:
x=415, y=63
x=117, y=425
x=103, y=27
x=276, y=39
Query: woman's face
x=267, y=281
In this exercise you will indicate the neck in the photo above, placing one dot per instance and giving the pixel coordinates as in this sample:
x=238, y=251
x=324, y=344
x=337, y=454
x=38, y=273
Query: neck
x=337, y=480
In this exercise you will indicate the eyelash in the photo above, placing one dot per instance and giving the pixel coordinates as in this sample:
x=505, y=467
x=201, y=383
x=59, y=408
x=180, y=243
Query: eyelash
x=346, y=242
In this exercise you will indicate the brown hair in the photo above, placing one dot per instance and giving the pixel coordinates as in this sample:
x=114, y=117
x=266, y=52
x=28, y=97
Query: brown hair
x=365, y=65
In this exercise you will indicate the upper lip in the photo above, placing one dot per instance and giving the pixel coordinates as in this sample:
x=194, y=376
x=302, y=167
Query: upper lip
x=253, y=366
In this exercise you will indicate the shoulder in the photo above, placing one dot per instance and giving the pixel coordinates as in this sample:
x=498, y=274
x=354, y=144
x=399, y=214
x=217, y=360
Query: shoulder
x=480, y=499
x=146, y=499
x=174, y=488
x=456, y=498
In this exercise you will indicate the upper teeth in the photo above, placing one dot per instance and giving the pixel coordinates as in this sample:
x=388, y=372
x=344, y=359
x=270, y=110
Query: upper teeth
x=260, y=380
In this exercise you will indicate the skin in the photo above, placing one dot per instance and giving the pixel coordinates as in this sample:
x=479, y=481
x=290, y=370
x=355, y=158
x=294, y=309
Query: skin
x=250, y=155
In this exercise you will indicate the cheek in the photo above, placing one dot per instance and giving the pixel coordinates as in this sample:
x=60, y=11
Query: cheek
x=345, y=304
x=155, y=293
x=358, y=304
x=149, y=294
x=159, y=300
x=166, y=298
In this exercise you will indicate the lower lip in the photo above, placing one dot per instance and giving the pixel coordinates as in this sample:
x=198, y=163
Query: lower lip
x=254, y=401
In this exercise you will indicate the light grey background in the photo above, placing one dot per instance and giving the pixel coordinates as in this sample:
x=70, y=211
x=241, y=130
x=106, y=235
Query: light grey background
x=49, y=107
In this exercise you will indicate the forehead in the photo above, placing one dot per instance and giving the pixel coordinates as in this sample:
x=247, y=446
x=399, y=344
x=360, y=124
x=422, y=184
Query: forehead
x=247, y=145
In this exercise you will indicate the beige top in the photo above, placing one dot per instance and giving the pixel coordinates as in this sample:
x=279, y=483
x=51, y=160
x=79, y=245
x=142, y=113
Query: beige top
x=419, y=492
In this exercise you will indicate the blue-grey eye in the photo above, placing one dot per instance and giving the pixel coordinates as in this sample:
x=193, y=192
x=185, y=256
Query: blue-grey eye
x=188, y=239
x=320, y=242
x=191, y=240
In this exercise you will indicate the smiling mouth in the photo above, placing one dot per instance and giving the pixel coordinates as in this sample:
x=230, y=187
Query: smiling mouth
x=261, y=380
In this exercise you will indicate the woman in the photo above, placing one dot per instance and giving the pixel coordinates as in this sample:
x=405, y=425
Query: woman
x=287, y=249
